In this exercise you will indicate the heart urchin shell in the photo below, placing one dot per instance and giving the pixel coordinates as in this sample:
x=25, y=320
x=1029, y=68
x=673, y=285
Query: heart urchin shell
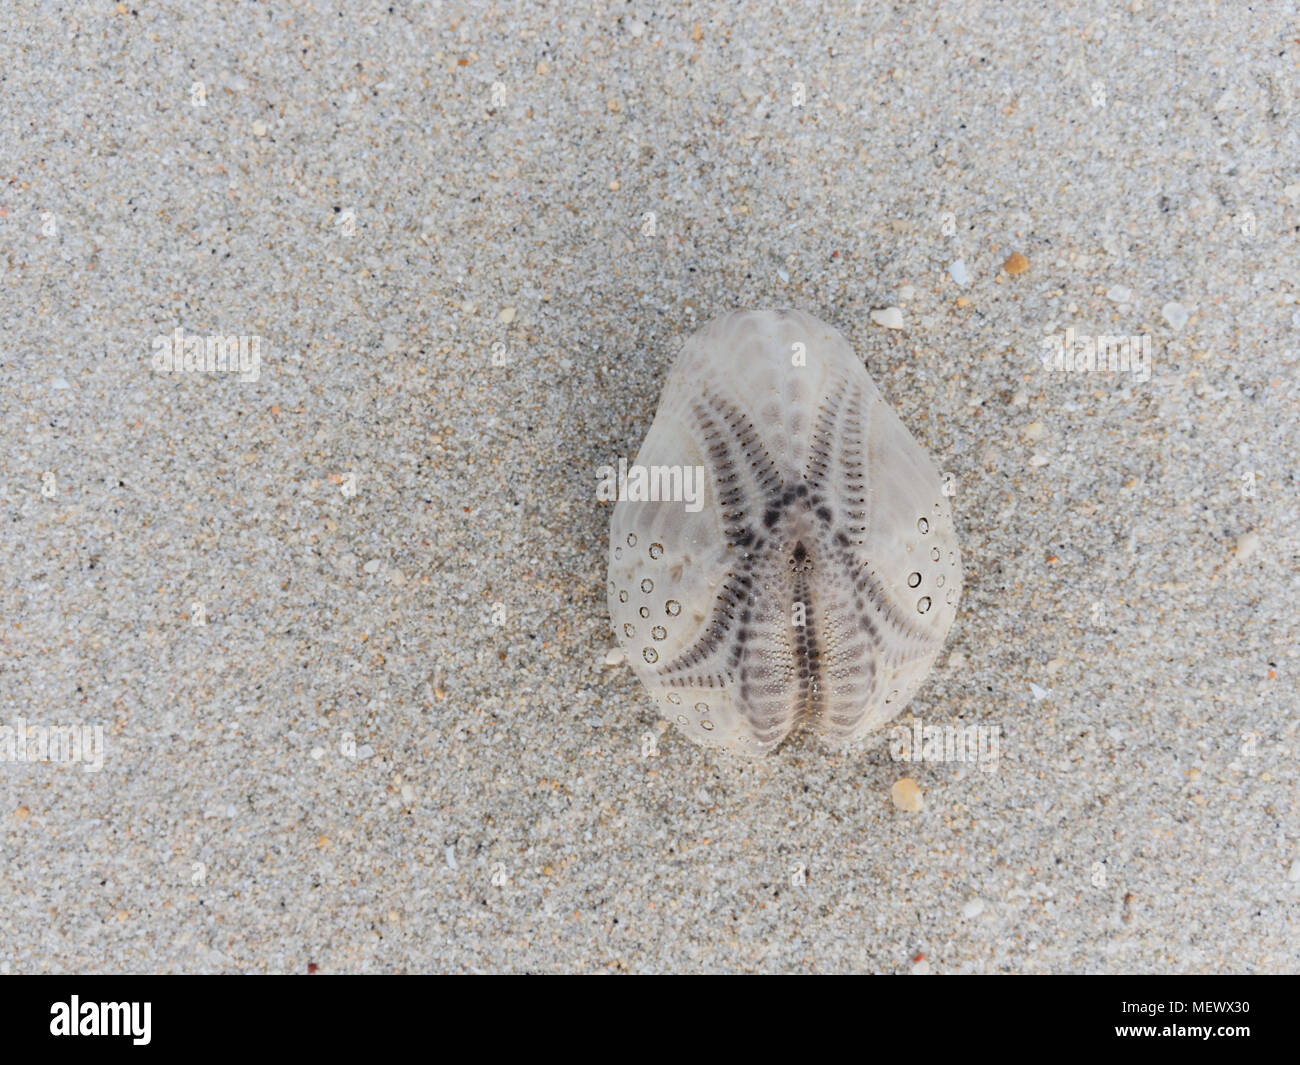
x=813, y=578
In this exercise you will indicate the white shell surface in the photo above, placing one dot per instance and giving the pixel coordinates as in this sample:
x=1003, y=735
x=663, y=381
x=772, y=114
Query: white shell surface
x=815, y=578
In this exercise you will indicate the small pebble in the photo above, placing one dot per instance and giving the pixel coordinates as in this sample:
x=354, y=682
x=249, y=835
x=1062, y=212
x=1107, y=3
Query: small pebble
x=372, y=566
x=506, y=316
x=1038, y=693
x=957, y=271
x=973, y=908
x=260, y=128
x=60, y=383
x=921, y=968
x=890, y=318
x=1294, y=874
x=1247, y=545
x=1176, y=315
x=906, y=292
x=1015, y=264
x=1119, y=294
x=906, y=795
x=615, y=656
x=1033, y=431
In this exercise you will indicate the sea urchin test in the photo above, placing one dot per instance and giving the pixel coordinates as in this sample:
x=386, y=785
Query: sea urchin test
x=815, y=585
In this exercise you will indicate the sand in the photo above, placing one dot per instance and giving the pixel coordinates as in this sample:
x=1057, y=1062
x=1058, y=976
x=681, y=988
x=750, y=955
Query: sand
x=340, y=619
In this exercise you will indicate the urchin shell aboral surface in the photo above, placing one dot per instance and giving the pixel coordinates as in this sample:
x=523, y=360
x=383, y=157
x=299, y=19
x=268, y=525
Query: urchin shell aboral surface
x=814, y=586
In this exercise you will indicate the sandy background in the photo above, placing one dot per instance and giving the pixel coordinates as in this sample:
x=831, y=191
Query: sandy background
x=350, y=765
